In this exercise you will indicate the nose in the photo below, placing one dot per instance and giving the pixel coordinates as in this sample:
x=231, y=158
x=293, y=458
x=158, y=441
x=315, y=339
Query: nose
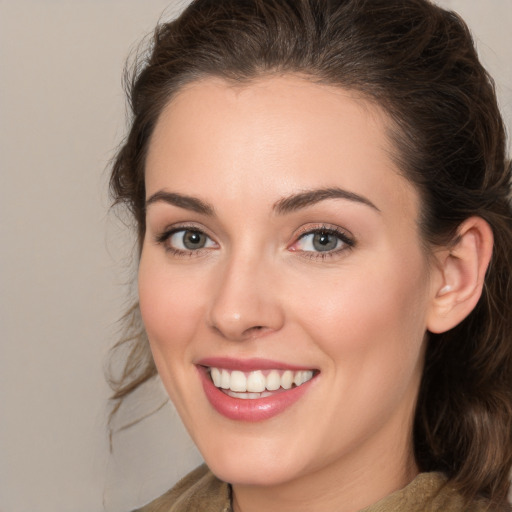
x=245, y=304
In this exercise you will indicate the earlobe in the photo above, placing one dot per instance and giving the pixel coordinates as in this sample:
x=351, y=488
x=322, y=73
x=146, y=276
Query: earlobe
x=461, y=270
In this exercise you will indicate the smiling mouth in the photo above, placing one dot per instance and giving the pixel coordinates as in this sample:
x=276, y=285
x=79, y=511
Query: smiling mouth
x=259, y=383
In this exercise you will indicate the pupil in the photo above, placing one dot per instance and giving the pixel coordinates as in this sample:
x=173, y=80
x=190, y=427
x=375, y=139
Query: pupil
x=193, y=240
x=324, y=242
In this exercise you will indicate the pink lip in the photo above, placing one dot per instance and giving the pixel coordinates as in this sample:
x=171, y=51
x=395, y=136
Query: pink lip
x=248, y=365
x=250, y=410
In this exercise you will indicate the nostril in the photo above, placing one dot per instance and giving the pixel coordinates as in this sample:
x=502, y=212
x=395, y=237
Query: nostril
x=255, y=331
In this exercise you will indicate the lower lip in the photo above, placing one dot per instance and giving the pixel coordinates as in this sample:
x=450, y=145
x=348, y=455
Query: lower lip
x=251, y=410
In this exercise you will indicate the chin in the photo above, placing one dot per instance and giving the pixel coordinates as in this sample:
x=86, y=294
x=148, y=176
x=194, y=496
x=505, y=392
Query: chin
x=247, y=472
x=253, y=458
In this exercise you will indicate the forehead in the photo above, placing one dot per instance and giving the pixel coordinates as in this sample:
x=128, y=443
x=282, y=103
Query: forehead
x=274, y=133
x=271, y=104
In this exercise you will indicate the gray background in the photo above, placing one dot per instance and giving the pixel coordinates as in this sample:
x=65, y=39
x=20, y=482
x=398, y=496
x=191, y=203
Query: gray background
x=64, y=259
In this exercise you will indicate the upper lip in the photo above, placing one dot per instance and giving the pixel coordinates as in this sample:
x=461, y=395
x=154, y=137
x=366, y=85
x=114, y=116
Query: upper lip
x=249, y=365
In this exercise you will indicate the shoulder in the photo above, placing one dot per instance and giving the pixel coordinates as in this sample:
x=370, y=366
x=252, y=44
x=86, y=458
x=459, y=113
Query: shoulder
x=428, y=492
x=199, y=490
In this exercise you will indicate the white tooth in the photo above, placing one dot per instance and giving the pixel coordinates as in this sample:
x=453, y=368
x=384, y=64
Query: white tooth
x=244, y=396
x=297, y=378
x=308, y=375
x=216, y=376
x=287, y=379
x=224, y=380
x=238, y=381
x=256, y=382
x=273, y=381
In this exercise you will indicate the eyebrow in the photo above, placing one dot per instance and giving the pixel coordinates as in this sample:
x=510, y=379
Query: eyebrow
x=311, y=197
x=181, y=201
x=283, y=206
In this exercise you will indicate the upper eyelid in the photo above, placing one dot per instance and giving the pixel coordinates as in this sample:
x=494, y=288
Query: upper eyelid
x=345, y=236
x=331, y=228
x=163, y=238
x=187, y=226
x=163, y=234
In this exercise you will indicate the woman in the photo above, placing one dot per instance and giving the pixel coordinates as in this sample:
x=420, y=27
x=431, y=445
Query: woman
x=321, y=196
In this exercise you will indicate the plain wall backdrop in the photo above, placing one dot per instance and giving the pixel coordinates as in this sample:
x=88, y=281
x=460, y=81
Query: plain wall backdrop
x=64, y=260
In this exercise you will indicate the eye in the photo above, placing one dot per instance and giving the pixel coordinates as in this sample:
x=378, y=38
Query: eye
x=186, y=240
x=322, y=240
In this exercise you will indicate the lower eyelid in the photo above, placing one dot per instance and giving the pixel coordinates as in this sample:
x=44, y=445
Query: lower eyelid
x=164, y=238
x=347, y=242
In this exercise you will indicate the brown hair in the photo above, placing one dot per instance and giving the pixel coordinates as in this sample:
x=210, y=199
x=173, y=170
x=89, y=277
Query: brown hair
x=418, y=62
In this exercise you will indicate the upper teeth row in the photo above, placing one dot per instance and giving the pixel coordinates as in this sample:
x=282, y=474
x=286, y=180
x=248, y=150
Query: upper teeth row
x=257, y=382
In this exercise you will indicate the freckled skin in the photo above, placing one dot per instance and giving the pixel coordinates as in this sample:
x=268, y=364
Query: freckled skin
x=358, y=315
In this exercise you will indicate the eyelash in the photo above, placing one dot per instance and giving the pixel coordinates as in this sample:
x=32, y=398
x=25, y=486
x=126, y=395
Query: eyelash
x=347, y=241
x=163, y=239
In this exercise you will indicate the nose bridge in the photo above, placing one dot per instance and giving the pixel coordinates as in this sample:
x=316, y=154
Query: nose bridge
x=245, y=304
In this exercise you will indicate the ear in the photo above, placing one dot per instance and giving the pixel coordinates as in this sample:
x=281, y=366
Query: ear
x=460, y=275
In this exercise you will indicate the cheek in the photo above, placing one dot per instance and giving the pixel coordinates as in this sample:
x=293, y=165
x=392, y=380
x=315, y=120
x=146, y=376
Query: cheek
x=372, y=317
x=372, y=332
x=171, y=308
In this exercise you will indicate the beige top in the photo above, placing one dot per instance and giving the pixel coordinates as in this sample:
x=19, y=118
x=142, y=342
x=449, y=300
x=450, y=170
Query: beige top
x=201, y=491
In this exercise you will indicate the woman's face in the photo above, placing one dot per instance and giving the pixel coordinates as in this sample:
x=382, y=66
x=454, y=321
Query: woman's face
x=282, y=245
